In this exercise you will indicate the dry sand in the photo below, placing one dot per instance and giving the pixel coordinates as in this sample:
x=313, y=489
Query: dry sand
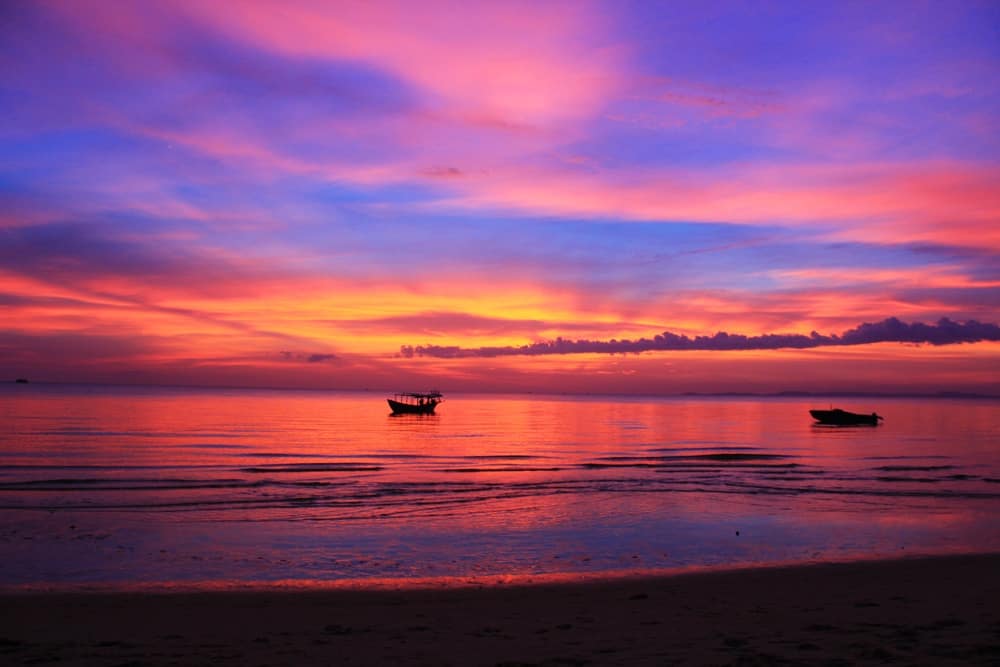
x=933, y=611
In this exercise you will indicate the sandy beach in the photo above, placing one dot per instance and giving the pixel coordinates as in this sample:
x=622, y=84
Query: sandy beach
x=943, y=610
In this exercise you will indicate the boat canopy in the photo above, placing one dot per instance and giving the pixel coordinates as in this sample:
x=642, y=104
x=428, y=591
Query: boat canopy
x=427, y=395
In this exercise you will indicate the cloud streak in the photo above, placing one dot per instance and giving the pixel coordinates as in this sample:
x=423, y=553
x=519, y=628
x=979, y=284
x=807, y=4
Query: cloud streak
x=891, y=330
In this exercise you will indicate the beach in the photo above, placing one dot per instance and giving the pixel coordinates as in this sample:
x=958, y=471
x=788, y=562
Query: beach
x=936, y=610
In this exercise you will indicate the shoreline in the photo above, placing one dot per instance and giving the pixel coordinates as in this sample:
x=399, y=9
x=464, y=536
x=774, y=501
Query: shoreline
x=925, y=610
x=456, y=582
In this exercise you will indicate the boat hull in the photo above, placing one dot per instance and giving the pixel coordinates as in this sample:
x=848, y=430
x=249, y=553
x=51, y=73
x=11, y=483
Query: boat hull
x=411, y=408
x=838, y=417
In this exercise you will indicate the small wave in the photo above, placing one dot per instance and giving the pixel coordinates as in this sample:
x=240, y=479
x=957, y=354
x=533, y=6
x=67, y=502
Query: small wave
x=123, y=484
x=590, y=465
x=216, y=445
x=710, y=448
x=697, y=457
x=314, y=467
x=734, y=457
x=110, y=480
x=115, y=468
x=860, y=492
x=692, y=467
x=914, y=457
x=501, y=469
x=89, y=433
x=276, y=455
x=49, y=482
x=628, y=458
x=913, y=468
x=688, y=466
x=502, y=457
x=188, y=505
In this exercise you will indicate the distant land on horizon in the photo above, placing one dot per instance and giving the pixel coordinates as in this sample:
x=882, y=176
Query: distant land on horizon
x=679, y=394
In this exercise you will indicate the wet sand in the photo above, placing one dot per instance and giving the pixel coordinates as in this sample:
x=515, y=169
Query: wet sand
x=933, y=611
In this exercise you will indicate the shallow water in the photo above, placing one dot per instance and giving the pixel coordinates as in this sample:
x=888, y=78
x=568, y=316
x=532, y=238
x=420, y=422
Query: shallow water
x=131, y=486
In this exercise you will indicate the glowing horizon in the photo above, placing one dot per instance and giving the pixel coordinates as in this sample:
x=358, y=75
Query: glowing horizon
x=291, y=194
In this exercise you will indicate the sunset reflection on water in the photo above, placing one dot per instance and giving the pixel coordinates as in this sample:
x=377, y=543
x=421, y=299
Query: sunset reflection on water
x=126, y=486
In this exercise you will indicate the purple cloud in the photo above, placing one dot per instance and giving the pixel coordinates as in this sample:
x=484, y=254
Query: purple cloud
x=313, y=358
x=891, y=330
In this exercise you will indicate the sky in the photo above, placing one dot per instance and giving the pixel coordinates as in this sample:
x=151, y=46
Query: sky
x=599, y=197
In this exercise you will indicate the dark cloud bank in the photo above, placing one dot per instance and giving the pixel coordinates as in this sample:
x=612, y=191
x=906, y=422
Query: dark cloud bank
x=892, y=330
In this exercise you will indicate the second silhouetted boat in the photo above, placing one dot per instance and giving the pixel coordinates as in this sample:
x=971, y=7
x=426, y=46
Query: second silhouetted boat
x=838, y=417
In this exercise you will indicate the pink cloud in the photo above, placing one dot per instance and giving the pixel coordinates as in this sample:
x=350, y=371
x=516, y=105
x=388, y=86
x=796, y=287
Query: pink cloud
x=502, y=94
x=523, y=62
x=493, y=82
x=883, y=203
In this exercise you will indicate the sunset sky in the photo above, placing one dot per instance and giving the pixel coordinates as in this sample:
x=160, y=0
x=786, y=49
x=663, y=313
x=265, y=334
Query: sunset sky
x=497, y=196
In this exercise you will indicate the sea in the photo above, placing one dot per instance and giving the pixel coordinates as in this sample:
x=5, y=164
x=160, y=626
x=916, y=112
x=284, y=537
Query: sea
x=176, y=488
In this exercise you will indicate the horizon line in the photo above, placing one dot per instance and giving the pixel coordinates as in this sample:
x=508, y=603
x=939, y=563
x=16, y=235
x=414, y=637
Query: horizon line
x=785, y=393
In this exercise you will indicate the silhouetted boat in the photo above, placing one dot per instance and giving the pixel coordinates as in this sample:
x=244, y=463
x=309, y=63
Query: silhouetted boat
x=838, y=417
x=21, y=380
x=413, y=403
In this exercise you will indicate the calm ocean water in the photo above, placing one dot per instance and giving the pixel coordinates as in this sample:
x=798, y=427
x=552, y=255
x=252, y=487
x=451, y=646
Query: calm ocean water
x=133, y=487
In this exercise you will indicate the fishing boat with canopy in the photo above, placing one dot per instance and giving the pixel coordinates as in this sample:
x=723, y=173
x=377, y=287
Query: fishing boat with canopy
x=415, y=403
